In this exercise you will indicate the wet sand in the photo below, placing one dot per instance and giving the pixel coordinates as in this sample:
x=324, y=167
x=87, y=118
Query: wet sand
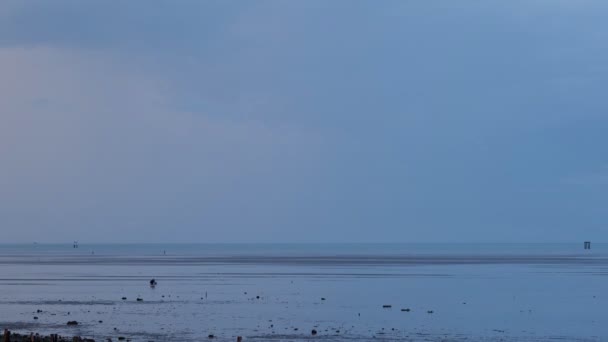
x=433, y=297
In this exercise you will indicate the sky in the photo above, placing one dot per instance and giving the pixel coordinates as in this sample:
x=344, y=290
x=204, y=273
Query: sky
x=303, y=121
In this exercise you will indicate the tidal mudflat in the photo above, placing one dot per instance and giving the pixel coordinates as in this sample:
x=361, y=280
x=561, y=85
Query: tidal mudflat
x=284, y=292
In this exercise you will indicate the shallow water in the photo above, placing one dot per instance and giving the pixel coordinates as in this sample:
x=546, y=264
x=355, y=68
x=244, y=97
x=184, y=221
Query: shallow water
x=527, y=292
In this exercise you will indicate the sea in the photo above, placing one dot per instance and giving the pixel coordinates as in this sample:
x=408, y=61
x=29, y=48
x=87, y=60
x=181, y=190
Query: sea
x=307, y=292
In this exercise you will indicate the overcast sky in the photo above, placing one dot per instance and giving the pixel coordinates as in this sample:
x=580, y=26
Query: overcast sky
x=303, y=121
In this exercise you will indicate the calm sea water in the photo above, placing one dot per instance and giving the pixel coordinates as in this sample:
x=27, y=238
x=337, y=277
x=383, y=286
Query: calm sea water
x=328, y=249
x=280, y=292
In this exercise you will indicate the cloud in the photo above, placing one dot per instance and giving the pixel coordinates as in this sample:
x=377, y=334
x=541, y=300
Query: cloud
x=99, y=25
x=598, y=177
x=85, y=141
x=301, y=120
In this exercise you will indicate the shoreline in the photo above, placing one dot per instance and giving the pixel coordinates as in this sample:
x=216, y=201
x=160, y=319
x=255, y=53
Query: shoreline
x=9, y=336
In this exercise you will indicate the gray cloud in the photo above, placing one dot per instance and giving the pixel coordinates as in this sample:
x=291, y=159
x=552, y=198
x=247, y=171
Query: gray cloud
x=302, y=120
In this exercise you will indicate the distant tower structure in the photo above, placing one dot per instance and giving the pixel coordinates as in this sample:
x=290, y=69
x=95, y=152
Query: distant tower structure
x=587, y=244
x=75, y=244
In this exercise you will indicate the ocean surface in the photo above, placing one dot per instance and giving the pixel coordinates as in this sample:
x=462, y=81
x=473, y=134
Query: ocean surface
x=281, y=292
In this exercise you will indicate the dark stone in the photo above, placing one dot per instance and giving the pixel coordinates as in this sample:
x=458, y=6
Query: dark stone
x=406, y=310
x=211, y=336
x=121, y=338
x=124, y=298
x=35, y=317
x=387, y=306
x=72, y=323
x=140, y=299
x=313, y=332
